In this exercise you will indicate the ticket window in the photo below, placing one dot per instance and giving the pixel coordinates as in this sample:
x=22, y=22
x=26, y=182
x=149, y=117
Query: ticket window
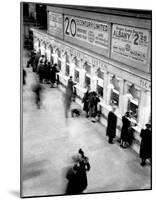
x=100, y=82
x=51, y=57
x=59, y=59
x=133, y=102
x=76, y=73
x=87, y=68
x=133, y=108
x=115, y=91
x=76, y=76
x=67, y=68
x=114, y=100
x=87, y=81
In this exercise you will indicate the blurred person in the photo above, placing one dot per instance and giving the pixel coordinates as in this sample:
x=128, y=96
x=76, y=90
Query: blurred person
x=85, y=102
x=146, y=144
x=24, y=77
x=40, y=71
x=31, y=59
x=111, y=125
x=72, y=184
x=37, y=89
x=125, y=129
x=68, y=95
x=36, y=61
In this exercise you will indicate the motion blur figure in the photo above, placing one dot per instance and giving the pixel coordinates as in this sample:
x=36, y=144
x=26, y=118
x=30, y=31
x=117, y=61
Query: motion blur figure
x=37, y=89
x=68, y=96
x=24, y=77
x=77, y=176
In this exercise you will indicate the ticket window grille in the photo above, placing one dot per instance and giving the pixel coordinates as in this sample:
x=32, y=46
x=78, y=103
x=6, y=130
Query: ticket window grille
x=88, y=68
x=133, y=102
x=114, y=100
x=100, y=76
x=76, y=77
x=87, y=81
x=100, y=90
x=67, y=71
x=59, y=59
x=133, y=108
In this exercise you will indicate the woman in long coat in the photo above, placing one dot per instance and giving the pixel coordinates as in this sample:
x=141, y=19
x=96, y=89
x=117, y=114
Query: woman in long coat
x=125, y=130
x=146, y=144
x=111, y=125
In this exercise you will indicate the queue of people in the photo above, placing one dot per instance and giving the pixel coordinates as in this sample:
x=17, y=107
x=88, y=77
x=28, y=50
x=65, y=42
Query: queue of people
x=126, y=136
x=48, y=73
x=90, y=101
x=45, y=70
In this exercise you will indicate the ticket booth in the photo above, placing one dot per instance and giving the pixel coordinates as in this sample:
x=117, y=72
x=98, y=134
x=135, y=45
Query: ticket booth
x=100, y=82
x=67, y=64
x=87, y=68
x=115, y=91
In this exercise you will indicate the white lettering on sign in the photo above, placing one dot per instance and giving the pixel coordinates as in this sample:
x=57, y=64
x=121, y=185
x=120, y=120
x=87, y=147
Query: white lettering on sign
x=55, y=24
x=145, y=84
x=92, y=32
x=131, y=43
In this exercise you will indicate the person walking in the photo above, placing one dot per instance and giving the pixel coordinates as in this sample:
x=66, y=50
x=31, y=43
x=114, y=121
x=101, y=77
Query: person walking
x=125, y=129
x=146, y=144
x=111, y=125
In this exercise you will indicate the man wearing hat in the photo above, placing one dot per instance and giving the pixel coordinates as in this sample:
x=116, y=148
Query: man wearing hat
x=146, y=144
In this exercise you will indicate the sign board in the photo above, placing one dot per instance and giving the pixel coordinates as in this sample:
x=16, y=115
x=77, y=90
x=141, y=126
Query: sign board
x=55, y=24
x=130, y=44
x=91, y=34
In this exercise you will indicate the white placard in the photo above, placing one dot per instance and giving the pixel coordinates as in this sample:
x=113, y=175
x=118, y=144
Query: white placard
x=55, y=24
x=130, y=43
x=92, y=32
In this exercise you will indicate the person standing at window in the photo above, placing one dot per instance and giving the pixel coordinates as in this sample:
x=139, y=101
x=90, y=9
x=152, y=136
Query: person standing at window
x=125, y=129
x=111, y=125
x=146, y=144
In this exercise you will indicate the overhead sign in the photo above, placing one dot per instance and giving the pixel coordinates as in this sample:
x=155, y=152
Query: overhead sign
x=87, y=31
x=130, y=43
x=55, y=24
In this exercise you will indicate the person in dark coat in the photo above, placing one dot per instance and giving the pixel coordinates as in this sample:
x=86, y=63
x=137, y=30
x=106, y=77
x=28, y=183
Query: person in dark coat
x=146, y=144
x=40, y=71
x=93, y=102
x=37, y=89
x=32, y=58
x=72, y=185
x=111, y=125
x=53, y=75
x=125, y=129
x=24, y=76
x=36, y=61
x=85, y=100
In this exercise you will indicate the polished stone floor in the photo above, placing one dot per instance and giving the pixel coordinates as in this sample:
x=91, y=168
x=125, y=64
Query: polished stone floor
x=50, y=141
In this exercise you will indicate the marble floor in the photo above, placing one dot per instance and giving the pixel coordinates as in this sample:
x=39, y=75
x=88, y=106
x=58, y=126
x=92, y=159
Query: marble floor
x=50, y=140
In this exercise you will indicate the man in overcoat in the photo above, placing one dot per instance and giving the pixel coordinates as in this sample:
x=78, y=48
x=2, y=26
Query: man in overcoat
x=111, y=125
x=125, y=129
x=146, y=144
